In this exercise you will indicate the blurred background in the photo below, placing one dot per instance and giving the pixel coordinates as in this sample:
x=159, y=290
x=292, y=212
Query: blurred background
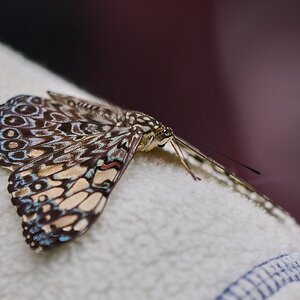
x=221, y=73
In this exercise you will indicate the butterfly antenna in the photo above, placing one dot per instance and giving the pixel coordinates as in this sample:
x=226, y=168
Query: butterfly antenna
x=182, y=158
x=231, y=159
x=196, y=153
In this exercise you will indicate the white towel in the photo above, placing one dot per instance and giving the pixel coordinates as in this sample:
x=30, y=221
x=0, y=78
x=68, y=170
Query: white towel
x=162, y=235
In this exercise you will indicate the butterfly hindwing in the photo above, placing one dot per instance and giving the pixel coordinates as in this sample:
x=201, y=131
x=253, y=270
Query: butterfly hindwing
x=60, y=196
x=104, y=113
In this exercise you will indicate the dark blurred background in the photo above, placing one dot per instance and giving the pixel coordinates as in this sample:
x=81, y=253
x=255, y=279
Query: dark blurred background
x=221, y=73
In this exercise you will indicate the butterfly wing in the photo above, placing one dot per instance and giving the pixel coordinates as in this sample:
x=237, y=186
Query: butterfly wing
x=66, y=154
x=59, y=196
x=32, y=127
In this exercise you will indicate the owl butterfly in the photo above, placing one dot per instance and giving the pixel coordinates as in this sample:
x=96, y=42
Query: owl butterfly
x=66, y=155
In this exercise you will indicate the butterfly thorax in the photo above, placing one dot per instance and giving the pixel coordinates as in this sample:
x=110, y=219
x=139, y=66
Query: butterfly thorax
x=155, y=133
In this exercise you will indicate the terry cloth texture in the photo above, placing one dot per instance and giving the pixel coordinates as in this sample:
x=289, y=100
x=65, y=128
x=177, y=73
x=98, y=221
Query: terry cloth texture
x=161, y=236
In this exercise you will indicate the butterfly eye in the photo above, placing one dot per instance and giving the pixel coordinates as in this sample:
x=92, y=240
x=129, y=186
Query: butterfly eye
x=164, y=133
x=168, y=132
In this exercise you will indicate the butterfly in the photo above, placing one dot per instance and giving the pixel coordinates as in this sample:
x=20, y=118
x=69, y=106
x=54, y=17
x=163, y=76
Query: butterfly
x=66, y=155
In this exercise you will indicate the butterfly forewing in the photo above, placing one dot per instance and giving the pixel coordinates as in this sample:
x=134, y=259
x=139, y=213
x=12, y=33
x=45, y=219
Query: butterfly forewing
x=31, y=127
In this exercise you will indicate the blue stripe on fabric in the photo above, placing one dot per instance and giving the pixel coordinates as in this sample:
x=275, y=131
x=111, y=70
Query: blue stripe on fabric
x=265, y=279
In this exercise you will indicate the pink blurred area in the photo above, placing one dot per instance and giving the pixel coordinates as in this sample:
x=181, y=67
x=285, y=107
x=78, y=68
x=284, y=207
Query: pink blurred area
x=223, y=73
x=159, y=57
x=258, y=46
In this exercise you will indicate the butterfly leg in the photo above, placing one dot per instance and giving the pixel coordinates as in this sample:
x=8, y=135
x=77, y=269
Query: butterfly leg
x=183, y=160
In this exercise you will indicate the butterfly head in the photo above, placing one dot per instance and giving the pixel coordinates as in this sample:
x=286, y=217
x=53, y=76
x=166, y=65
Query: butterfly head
x=157, y=136
x=163, y=135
